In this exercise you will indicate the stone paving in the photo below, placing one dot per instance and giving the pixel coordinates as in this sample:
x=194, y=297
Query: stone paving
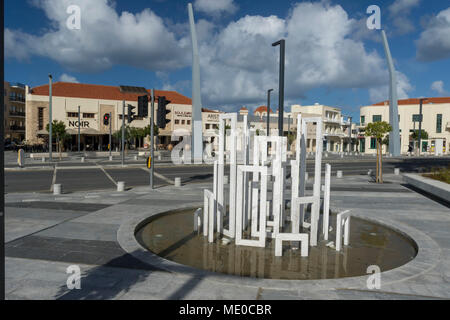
x=46, y=233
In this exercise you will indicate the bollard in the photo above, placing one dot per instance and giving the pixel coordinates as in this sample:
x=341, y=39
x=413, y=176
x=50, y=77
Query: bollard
x=82, y=159
x=306, y=176
x=177, y=182
x=225, y=179
x=110, y=158
x=120, y=186
x=369, y=173
x=397, y=171
x=339, y=174
x=135, y=158
x=43, y=159
x=342, y=155
x=57, y=189
x=159, y=157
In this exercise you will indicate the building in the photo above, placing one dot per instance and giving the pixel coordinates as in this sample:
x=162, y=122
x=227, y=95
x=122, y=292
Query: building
x=339, y=133
x=435, y=121
x=95, y=101
x=14, y=112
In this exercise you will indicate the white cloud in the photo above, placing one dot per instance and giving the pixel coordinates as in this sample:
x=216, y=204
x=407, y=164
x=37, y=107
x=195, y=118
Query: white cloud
x=381, y=93
x=239, y=63
x=105, y=39
x=215, y=7
x=438, y=86
x=399, y=12
x=434, y=41
x=68, y=78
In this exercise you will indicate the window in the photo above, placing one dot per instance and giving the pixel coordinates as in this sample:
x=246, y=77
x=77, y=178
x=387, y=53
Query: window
x=120, y=117
x=208, y=126
x=89, y=115
x=439, y=123
x=41, y=118
x=182, y=121
x=376, y=118
x=363, y=119
x=373, y=143
x=177, y=121
x=72, y=114
x=188, y=121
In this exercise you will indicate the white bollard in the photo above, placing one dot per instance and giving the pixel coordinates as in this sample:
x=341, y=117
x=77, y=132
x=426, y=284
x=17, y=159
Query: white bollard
x=120, y=186
x=110, y=158
x=57, y=189
x=397, y=171
x=225, y=179
x=135, y=157
x=159, y=157
x=369, y=173
x=177, y=182
x=82, y=159
x=43, y=159
x=339, y=174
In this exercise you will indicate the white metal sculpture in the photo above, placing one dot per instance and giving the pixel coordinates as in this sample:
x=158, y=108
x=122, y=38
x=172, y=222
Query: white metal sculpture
x=254, y=214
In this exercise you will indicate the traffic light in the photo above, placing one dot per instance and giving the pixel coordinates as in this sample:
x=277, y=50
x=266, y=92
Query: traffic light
x=106, y=119
x=162, y=111
x=142, y=106
x=131, y=113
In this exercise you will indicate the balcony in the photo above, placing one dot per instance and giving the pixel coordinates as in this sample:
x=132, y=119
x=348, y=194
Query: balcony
x=331, y=120
x=17, y=114
x=16, y=99
x=345, y=122
x=17, y=128
x=333, y=134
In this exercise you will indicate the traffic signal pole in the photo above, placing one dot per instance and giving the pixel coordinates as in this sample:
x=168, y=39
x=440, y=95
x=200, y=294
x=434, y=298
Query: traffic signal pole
x=152, y=127
x=110, y=133
x=123, y=133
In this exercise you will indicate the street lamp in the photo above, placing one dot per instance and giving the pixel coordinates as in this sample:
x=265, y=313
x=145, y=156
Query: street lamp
x=268, y=110
x=50, y=142
x=282, y=44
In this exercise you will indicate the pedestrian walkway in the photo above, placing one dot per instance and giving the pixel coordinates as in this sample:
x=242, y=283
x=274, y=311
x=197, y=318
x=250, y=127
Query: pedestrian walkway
x=45, y=234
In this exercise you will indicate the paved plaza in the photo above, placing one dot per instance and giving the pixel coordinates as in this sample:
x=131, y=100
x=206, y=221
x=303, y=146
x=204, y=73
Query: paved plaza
x=46, y=233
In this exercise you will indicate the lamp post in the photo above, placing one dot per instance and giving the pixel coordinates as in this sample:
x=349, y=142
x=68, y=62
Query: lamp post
x=268, y=111
x=282, y=45
x=50, y=142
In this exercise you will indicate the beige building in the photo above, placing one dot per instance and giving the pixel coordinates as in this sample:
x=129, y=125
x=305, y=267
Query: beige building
x=336, y=129
x=95, y=101
x=14, y=112
x=436, y=122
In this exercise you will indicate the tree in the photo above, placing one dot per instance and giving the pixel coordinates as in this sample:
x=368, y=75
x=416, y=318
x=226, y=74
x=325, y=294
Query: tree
x=59, y=133
x=415, y=135
x=378, y=130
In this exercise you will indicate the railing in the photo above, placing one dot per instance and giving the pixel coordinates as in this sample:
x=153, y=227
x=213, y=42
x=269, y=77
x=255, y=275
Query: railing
x=17, y=113
x=16, y=99
x=331, y=120
x=17, y=128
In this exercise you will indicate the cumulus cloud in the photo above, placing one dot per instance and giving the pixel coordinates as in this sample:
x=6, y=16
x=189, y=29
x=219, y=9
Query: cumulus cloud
x=399, y=12
x=68, y=78
x=434, y=42
x=381, y=93
x=106, y=38
x=215, y=7
x=438, y=86
x=239, y=64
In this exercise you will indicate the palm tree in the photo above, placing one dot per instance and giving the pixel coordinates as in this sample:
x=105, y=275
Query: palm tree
x=378, y=130
x=59, y=132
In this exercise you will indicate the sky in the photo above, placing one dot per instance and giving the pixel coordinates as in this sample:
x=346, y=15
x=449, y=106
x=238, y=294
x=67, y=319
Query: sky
x=332, y=57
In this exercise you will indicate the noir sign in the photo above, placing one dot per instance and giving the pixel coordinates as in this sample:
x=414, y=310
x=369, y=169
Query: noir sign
x=81, y=124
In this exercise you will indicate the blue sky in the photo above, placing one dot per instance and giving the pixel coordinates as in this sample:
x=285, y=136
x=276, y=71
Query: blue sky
x=332, y=57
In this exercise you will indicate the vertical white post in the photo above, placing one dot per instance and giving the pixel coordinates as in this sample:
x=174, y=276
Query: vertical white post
x=347, y=231
x=326, y=201
x=205, y=213
x=302, y=162
x=317, y=182
x=216, y=188
x=338, y=232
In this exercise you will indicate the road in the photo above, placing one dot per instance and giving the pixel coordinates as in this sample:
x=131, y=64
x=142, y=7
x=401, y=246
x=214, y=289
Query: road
x=100, y=176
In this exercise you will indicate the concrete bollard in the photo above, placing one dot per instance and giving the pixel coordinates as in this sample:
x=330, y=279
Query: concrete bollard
x=82, y=159
x=43, y=159
x=159, y=157
x=342, y=155
x=397, y=171
x=177, y=182
x=369, y=173
x=121, y=186
x=135, y=158
x=339, y=174
x=57, y=189
x=110, y=158
x=225, y=179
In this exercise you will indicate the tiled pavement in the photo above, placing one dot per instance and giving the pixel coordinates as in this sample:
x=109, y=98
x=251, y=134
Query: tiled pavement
x=46, y=234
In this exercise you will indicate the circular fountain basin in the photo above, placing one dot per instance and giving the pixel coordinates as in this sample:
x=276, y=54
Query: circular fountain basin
x=170, y=235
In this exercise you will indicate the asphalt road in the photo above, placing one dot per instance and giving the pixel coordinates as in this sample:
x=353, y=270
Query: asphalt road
x=91, y=176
